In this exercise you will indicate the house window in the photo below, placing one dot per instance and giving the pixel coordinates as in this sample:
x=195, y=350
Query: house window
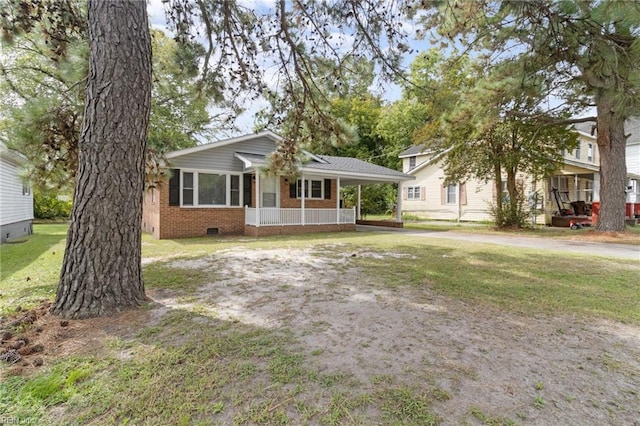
x=210, y=189
x=315, y=186
x=578, y=152
x=235, y=190
x=26, y=189
x=590, y=152
x=413, y=193
x=451, y=194
x=412, y=162
x=153, y=195
x=187, y=189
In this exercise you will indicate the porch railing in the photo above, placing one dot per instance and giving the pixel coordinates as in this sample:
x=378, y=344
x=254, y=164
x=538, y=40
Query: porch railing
x=284, y=217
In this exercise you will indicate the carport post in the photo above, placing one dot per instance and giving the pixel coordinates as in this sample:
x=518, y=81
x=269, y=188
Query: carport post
x=399, y=203
x=358, y=217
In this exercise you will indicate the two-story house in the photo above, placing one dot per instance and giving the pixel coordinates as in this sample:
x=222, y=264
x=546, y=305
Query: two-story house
x=576, y=179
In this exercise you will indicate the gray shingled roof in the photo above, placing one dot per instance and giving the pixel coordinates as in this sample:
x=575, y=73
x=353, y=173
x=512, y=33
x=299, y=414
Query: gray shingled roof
x=631, y=127
x=414, y=150
x=340, y=165
x=353, y=165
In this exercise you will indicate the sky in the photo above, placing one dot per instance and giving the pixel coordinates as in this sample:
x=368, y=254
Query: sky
x=245, y=122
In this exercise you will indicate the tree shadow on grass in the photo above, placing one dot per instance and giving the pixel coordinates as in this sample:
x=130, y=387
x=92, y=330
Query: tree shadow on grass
x=15, y=257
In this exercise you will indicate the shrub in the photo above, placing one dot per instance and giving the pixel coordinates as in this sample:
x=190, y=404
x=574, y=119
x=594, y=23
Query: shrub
x=49, y=206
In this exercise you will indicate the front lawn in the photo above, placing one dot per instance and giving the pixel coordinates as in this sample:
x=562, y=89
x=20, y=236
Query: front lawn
x=349, y=328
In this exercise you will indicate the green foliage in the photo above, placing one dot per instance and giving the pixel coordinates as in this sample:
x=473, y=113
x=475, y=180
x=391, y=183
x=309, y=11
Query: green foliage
x=375, y=199
x=583, y=53
x=512, y=213
x=43, y=100
x=47, y=205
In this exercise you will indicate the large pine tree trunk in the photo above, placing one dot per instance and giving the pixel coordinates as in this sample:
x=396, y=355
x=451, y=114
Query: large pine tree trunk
x=101, y=273
x=613, y=169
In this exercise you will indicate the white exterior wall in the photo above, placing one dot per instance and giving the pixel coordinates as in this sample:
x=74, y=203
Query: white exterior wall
x=16, y=208
x=633, y=159
x=430, y=206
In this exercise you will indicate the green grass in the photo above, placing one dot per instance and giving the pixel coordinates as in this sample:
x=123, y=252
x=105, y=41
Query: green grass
x=518, y=280
x=29, y=270
x=192, y=368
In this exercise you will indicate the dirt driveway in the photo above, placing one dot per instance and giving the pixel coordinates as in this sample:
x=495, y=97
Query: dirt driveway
x=622, y=251
x=488, y=364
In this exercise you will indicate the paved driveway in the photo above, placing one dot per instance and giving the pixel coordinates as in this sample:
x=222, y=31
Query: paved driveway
x=621, y=251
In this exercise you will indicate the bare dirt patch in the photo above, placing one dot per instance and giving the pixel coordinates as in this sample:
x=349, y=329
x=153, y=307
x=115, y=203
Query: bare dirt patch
x=488, y=363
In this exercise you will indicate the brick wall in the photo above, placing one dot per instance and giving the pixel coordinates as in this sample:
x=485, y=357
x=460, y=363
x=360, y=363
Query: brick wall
x=164, y=221
x=265, y=231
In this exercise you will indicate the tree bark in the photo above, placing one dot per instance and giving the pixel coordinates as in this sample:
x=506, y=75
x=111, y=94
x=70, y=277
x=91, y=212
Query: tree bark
x=613, y=168
x=101, y=272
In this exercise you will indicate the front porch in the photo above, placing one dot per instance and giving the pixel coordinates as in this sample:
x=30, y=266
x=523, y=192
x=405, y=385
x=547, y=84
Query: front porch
x=264, y=222
x=259, y=217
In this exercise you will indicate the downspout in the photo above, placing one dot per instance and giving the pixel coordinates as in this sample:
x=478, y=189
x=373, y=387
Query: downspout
x=358, y=213
x=399, y=203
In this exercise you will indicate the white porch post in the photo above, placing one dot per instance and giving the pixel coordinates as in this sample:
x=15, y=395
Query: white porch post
x=337, y=201
x=399, y=203
x=575, y=187
x=358, y=217
x=257, y=198
x=459, y=206
x=302, y=201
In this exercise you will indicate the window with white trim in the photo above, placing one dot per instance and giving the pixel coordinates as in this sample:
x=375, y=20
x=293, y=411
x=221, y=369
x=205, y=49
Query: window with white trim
x=26, y=189
x=451, y=194
x=413, y=193
x=578, y=152
x=313, y=187
x=209, y=189
x=590, y=152
x=187, y=189
x=412, y=162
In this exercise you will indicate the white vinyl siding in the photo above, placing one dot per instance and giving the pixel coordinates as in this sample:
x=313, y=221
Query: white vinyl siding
x=223, y=158
x=474, y=205
x=16, y=199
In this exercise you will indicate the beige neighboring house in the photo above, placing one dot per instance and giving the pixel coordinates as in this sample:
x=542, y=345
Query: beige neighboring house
x=576, y=178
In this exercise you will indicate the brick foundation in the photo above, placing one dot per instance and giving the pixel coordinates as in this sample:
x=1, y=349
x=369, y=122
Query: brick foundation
x=265, y=231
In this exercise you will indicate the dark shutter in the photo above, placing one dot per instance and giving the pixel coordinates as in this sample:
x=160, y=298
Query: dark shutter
x=327, y=189
x=293, y=190
x=246, y=189
x=174, y=188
